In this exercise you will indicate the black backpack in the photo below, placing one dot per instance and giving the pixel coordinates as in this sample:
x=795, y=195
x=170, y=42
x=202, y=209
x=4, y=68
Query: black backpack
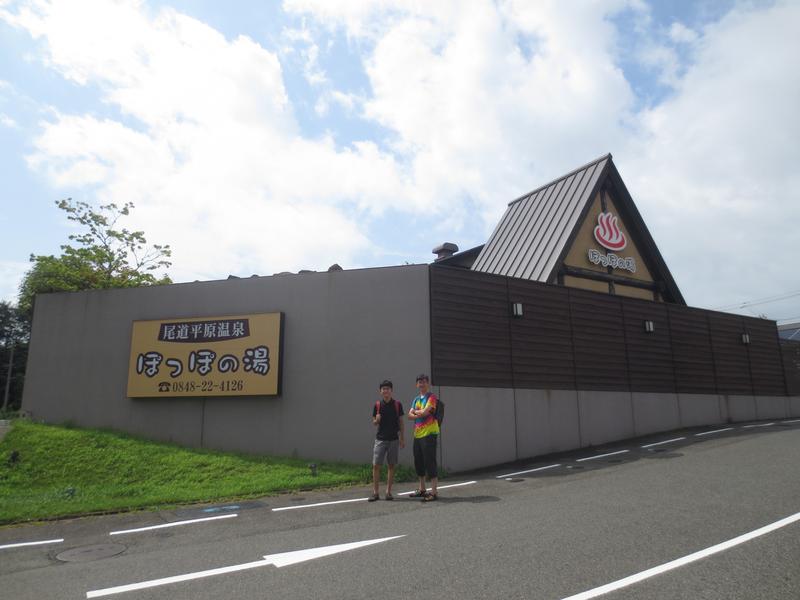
x=439, y=412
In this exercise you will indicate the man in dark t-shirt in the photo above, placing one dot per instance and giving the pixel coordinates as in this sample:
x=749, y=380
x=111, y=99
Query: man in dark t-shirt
x=387, y=416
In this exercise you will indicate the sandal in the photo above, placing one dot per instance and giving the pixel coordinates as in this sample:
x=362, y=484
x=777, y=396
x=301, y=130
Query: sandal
x=373, y=498
x=419, y=494
x=389, y=497
x=431, y=498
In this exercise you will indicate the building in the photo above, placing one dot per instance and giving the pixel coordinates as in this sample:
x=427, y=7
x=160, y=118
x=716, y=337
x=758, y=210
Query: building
x=564, y=330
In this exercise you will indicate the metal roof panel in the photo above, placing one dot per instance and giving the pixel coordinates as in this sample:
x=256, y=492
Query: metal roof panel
x=535, y=227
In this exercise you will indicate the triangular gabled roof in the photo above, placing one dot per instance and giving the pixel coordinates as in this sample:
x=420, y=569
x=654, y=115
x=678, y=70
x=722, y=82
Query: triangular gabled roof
x=538, y=229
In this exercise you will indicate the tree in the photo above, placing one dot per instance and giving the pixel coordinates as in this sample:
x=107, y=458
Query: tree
x=14, y=334
x=104, y=256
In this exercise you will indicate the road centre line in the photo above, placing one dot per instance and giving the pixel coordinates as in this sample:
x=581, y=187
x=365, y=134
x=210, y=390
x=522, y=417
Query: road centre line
x=758, y=425
x=21, y=544
x=173, y=524
x=528, y=471
x=602, y=455
x=664, y=442
x=714, y=431
x=679, y=562
x=316, y=504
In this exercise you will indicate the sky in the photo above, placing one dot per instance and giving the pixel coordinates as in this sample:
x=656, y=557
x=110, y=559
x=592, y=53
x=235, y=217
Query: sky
x=260, y=137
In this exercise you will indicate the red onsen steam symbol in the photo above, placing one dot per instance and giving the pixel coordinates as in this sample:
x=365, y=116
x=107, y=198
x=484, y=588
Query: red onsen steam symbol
x=608, y=234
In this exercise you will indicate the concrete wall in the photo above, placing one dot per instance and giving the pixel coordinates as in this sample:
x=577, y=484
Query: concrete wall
x=488, y=426
x=344, y=332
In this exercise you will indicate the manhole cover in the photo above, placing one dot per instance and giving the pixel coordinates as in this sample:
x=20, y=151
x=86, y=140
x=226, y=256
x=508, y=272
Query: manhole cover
x=90, y=553
x=514, y=479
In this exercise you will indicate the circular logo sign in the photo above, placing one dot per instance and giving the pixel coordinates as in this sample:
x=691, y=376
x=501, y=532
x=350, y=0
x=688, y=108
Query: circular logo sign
x=608, y=234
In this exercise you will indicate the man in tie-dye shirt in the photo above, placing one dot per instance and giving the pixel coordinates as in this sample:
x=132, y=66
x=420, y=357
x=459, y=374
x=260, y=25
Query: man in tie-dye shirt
x=426, y=435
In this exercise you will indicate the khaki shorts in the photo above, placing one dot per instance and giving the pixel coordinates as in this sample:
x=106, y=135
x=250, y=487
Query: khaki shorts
x=387, y=450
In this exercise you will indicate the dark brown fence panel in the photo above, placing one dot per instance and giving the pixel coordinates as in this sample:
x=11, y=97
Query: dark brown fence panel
x=731, y=363
x=766, y=362
x=541, y=340
x=469, y=329
x=649, y=353
x=691, y=350
x=791, y=365
x=576, y=339
x=601, y=362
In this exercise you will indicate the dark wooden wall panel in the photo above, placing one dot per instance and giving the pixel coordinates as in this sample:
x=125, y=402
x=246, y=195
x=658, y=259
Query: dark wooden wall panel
x=731, y=363
x=541, y=341
x=650, y=360
x=691, y=347
x=601, y=361
x=469, y=327
x=576, y=339
x=766, y=362
x=791, y=363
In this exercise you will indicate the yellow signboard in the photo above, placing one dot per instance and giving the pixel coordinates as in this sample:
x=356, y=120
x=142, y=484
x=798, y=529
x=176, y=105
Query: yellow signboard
x=210, y=356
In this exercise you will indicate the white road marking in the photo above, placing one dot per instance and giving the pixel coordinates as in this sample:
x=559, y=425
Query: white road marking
x=758, y=425
x=441, y=487
x=173, y=524
x=283, y=559
x=664, y=442
x=528, y=471
x=679, y=562
x=792, y=421
x=602, y=455
x=319, y=504
x=714, y=431
x=176, y=579
x=21, y=544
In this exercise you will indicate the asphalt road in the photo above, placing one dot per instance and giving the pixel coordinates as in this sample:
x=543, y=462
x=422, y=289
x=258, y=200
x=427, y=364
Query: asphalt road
x=548, y=534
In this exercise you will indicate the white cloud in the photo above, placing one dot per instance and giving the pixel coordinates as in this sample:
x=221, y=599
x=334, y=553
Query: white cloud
x=476, y=119
x=715, y=169
x=681, y=34
x=7, y=121
x=214, y=161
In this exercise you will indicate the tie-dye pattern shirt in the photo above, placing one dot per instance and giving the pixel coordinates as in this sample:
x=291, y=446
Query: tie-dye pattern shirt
x=427, y=425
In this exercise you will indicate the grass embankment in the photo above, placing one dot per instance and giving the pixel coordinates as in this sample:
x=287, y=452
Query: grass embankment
x=65, y=471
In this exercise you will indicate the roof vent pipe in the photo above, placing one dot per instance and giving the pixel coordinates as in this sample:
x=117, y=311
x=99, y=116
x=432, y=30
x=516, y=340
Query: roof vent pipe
x=445, y=250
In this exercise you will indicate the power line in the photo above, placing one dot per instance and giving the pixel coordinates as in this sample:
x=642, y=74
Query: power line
x=766, y=300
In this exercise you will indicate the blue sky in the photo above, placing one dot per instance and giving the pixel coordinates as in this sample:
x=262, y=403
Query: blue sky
x=263, y=137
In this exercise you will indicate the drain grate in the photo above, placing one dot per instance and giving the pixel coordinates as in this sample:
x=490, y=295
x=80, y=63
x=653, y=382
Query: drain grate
x=90, y=553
